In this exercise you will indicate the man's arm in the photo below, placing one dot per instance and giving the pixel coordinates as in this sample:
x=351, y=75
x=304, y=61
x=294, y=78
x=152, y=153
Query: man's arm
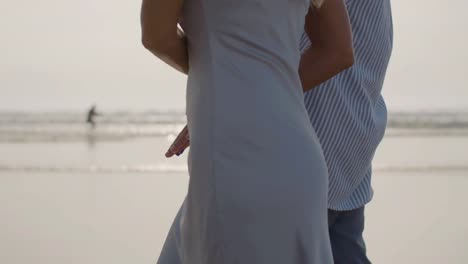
x=332, y=51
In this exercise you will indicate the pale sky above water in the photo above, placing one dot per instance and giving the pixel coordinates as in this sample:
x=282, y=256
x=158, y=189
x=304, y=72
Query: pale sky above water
x=63, y=54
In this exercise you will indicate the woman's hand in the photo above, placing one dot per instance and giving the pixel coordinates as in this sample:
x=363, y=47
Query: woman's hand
x=180, y=143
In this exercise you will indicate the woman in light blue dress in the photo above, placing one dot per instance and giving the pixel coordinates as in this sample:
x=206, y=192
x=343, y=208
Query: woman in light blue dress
x=258, y=180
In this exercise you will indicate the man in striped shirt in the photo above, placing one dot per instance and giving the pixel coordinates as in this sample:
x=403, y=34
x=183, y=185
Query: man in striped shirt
x=349, y=116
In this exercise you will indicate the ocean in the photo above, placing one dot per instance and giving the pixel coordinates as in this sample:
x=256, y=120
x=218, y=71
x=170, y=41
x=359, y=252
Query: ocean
x=59, y=129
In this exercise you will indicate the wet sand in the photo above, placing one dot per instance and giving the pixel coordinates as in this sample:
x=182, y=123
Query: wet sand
x=84, y=216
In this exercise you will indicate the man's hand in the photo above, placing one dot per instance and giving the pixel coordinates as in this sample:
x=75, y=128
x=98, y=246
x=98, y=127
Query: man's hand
x=180, y=143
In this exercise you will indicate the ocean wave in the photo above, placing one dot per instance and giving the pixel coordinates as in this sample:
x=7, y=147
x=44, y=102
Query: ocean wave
x=95, y=169
x=81, y=133
x=428, y=120
x=125, y=125
x=424, y=132
x=421, y=119
x=168, y=169
x=104, y=118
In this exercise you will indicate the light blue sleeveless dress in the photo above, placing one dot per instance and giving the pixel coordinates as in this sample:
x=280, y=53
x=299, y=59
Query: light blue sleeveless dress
x=258, y=179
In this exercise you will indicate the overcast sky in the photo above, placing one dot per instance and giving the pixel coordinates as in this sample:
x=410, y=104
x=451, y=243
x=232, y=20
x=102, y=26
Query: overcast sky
x=64, y=54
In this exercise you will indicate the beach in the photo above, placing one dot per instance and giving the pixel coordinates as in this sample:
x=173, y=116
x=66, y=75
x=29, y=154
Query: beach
x=113, y=202
x=70, y=194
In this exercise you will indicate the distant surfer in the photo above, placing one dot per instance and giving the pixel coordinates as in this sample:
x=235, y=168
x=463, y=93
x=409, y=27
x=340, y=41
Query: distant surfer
x=92, y=113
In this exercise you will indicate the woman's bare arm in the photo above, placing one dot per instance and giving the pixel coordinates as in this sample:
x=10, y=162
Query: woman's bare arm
x=332, y=47
x=160, y=34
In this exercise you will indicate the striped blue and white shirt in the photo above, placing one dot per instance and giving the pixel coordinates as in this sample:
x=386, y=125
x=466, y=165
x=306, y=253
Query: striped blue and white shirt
x=348, y=111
